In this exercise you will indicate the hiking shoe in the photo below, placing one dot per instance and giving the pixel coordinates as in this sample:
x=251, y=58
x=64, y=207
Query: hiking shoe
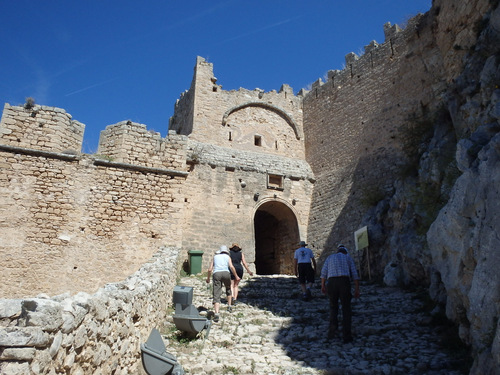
x=216, y=318
x=347, y=339
x=332, y=332
x=234, y=302
x=229, y=309
x=309, y=294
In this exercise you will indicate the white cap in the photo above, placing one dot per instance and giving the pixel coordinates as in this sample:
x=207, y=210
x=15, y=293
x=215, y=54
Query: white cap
x=223, y=249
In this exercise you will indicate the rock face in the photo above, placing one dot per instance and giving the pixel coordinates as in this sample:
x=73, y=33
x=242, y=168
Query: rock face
x=465, y=245
x=441, y=225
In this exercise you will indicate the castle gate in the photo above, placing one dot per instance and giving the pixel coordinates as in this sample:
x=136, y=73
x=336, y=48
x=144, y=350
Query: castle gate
x=276, y=238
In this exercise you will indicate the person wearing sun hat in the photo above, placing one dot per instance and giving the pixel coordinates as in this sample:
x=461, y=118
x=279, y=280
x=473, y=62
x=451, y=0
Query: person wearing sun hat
x=219, y=269
x=238, y=259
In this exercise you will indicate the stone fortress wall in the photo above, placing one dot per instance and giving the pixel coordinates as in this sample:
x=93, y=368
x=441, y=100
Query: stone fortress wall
x=236, y=140
x=41, y=128
x=360, y=124
x=336, y=149
x=78, y=223
x=73, y=222
x=357, y=124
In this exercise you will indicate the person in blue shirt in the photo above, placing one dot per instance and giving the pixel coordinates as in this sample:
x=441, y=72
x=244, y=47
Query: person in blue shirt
x=304, y=270
x=336, y=275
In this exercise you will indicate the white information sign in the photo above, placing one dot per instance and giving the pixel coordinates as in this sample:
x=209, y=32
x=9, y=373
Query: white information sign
x=361, y=238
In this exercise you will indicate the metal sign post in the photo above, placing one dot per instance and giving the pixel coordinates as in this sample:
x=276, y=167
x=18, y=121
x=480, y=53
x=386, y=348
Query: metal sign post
x=361, y=241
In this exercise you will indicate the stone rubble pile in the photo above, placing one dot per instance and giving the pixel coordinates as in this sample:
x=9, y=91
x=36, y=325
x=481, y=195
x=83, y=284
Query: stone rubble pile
x=272, y=330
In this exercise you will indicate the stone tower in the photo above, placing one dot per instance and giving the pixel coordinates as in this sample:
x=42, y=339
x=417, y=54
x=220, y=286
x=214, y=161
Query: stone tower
x=249, y=181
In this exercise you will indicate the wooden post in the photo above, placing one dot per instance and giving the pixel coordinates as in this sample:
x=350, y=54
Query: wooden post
x=368, y=260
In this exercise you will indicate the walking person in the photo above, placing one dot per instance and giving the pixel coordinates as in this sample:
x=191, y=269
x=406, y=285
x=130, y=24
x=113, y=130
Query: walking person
x=219, y=268
x=336, y=275
x=304, y=270
x=238, y=260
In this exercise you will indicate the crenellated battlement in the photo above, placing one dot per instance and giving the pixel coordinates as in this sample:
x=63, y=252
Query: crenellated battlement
x=131, y=143
x=249, y=120
x=52, y=129
x=375, y=54
x=41, y=128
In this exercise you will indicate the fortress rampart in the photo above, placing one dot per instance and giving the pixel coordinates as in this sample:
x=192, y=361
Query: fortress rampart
x=239, y=141
x=131, y=143
x=262, y=169
x=73, y=222
x=41, y=128
x=358, y=125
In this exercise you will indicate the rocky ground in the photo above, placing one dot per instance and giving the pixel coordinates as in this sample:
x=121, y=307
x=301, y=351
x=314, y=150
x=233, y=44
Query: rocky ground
x=273, y=331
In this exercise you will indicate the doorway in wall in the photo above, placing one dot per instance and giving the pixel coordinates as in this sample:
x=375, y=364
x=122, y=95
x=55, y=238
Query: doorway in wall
x=276, y=238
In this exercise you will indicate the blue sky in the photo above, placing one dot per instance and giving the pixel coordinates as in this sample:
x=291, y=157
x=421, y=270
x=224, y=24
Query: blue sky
x=106, y=61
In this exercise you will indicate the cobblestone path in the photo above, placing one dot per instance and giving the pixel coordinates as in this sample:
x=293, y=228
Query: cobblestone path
x=273, y=331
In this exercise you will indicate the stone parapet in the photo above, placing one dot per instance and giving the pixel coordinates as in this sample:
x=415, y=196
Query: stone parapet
x=131, y=143
x=210, y=154
x=88, y=333
x=41, y=128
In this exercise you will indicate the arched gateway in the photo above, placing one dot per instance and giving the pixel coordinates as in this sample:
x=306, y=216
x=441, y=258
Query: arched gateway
x=276, y=238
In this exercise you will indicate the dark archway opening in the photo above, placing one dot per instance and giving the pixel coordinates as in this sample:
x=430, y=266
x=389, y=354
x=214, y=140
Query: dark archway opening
x=276, y=238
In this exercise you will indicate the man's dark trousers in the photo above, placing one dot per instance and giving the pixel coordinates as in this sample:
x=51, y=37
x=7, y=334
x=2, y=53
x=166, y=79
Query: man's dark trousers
x=340, y=288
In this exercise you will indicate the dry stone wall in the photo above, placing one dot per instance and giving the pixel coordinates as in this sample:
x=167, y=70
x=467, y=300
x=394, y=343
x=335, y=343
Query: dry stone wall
x=98, y=333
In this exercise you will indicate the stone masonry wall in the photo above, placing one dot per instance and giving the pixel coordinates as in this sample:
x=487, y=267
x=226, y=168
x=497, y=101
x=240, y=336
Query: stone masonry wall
x=234, y=118
x=236, y=139
x=51, y=129
x=131, y=143
x=71, y=223
x=97, y=333
x=220, y=202
x=356, y=125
